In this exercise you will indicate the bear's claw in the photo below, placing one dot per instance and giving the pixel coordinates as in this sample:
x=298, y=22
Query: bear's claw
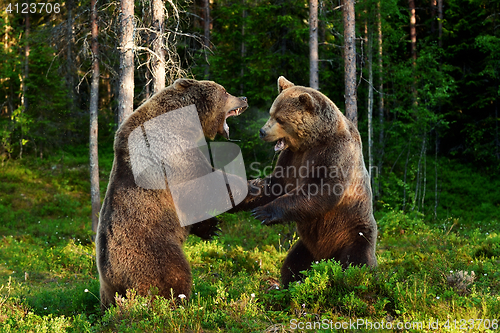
x=262, y=215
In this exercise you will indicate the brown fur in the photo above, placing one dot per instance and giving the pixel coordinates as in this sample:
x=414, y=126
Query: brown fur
x=139, y=237
x=336, y=224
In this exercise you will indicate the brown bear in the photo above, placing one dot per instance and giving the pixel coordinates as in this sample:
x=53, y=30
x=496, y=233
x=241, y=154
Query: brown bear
x=139, y=237
x=320, y=182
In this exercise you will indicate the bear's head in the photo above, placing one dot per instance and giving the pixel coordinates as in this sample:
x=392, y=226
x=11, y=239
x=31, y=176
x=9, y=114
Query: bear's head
x=214, y=104
x=299, y=118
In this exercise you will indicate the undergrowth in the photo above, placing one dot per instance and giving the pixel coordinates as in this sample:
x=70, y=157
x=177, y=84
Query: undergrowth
x=431, y=272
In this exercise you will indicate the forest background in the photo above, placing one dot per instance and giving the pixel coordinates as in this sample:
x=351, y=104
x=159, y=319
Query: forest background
x=427, y=88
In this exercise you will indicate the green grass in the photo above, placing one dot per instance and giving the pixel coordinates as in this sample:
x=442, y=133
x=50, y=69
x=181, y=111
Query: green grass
x=49, y=282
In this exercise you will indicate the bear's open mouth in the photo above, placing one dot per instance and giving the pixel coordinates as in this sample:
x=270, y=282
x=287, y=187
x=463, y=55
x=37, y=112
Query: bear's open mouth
x=280, y=145
x=231, y=113
x=235, y=112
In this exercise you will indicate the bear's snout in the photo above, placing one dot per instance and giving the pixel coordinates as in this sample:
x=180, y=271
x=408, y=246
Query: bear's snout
x=262, y=133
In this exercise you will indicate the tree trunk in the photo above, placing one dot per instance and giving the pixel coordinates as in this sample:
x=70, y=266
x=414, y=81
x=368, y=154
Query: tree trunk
x=95, y=197
x=158, y=63
x=413, y=38
x=404, y=176
x=126, y=80
x=419, y=174
x=497, y=139
x=243, y=52
x=206, y=33
x=26, y=75
x=413, y=30
x=26, y=60
x=433, y=16
x=425, y=179
x=313, y=44
x=70, y=78
x=351, y=108
x=147, y=75
x=380, y=92
x=370, y=106
x=440, y=23
x=436, y=174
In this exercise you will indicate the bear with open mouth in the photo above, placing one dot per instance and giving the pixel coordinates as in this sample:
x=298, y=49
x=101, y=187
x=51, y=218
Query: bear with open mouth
x=139, y=237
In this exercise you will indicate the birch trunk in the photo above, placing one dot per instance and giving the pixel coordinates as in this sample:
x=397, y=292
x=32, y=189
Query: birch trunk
x=158, y=63
x=95, y=197
x=126, y=80
x=313, y=44
x=350, y=61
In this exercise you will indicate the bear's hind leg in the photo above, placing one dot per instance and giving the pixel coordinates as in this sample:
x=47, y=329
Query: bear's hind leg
x=299, y=258
x=107, y=297
x=173, y=276
x=359, y=254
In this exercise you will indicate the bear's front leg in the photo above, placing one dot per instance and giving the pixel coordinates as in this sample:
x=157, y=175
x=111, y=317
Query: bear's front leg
x=258, y=194
x=299, y=205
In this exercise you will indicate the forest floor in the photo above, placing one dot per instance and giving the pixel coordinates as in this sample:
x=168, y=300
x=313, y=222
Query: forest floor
x=440, y=275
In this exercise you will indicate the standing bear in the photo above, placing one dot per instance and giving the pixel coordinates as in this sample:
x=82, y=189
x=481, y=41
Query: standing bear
x=320, y=182
x=140, y=235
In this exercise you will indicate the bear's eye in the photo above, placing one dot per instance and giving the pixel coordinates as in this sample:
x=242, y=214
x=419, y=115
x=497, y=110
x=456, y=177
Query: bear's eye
x=279, y=121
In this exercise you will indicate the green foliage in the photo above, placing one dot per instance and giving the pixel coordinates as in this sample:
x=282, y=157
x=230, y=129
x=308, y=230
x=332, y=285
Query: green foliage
x=49, y=281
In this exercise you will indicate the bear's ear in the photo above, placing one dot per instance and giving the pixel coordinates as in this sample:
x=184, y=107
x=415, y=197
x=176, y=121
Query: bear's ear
x=307, y=101
x=283, y=84
x=181, y=84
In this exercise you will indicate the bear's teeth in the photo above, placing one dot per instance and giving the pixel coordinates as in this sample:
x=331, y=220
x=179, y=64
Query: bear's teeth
x=280, y=145
x=235, y=112
x=226, y=130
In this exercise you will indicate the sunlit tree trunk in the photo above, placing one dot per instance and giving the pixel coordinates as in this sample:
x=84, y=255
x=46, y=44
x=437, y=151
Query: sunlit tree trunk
x=350, y=61
x=147, y=75
x=380, y=92
x=243, y=52
x=26, y=75
x=94, y=105
x=126, y=80
x=440, y=22
x=158, y=63
x=313, y=44
x=206, y=32
x=7, y=44
x=413, y=30
x=433, y=15
x=413, y=38
x=370, y=103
